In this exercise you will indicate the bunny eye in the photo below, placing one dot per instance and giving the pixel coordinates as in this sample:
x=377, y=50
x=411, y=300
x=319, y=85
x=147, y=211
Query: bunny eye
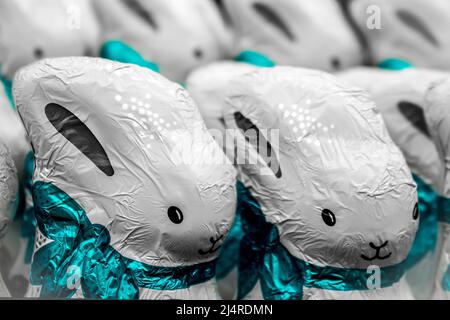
x=328, y=217
x=136, y=7
x=335, y=63
x=38, y=53
x=77, y=133
x=415, y=23
x=416, y=212
x=273, y=18
x=256, y=138
x=415, y=115
x=175, y=215
x=198, y=53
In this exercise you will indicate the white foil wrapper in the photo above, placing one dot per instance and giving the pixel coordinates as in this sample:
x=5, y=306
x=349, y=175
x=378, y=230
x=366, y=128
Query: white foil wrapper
x=12, y=132
x=400, y=97
x=208, y=86
x=305, y=33
x=438, y=117
x=177, y=35
x=32, y=30
x=130, y=148
x=338, y=190
x=9, y=188
x=412, y=30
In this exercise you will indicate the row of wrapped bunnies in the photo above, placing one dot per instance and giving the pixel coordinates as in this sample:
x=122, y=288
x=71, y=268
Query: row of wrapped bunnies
x=234, y=149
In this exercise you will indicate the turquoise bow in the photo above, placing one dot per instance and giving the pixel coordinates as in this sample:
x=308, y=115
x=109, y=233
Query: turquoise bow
x=81, y=251
x=427, y=233
x=117, y=50
x=445, y=218
x=255, y=58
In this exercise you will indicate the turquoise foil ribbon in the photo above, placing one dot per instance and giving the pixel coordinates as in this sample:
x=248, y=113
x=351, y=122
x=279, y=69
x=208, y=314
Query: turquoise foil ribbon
x=7, y=84
x=427, y=233
x=445, y=218
x=446, y=280
x=395, y=64
x=282, y=276
x=444, y=210
x=116, y=50
x=255, y=58
x=28, y=227
x=81, y=251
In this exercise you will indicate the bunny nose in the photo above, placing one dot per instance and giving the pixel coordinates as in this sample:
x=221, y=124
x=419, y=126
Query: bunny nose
x=372, y=245
x=377, y=252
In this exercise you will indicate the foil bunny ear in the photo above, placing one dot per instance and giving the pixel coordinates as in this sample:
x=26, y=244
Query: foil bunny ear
x=77, y=133
x=293, y=32
x=402, y=29
x=437, y=110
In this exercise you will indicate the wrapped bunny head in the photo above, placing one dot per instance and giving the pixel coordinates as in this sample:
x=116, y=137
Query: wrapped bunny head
x=12, y=132
x=208, y=86
x=400, y=97
x=438, y=117
x=9, y=188
x=304, y=33
x=412, y=30
x=176, y=35
x=326, y=172
x=130, y=148
x=31, y=30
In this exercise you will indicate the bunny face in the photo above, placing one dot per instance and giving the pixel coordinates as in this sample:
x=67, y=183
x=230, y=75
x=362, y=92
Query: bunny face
x=338, y=189
x=400, y=97
x=177, y=35
x=31, y=30
x=140, y=161
x=411, y=30
x=299, y=33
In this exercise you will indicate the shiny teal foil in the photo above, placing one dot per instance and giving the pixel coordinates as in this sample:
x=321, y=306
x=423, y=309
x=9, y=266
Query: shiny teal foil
x=118, y=51
x=8, y=90
x=444, y=210
x=427, y=233
x=395, y=64
x=282, y=276
x=445, y=218
x=446, y=280
x=81, y=253
x=255, y=58
x=28, y=224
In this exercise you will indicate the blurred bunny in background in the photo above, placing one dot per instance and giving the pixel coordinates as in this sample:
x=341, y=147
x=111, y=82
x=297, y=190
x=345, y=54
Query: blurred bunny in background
x=176, y=35
x=412, y=30
x=304, y=33
x=29, y=31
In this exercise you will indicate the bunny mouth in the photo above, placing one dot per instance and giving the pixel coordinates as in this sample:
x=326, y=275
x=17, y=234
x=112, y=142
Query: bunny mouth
x=213, y=247
x=377, y=253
